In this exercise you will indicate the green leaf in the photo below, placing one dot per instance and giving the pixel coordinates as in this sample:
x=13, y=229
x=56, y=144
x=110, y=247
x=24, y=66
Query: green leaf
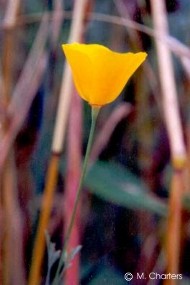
x=184, y=281
x=66, y=262
x=107, y=275
x=70, y=257
x=116, y=184
x=74, y=252
x=53, y=256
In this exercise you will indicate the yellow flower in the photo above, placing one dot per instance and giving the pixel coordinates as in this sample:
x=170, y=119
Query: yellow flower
x=99, y=73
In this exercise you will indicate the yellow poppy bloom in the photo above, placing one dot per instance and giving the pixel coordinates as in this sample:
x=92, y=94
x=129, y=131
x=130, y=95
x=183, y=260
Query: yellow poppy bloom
x=100, y=74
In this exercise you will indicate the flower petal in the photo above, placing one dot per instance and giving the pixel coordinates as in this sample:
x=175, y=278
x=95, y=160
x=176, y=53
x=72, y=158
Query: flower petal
x=112, y=71
x=99, y=73
x=81, y=67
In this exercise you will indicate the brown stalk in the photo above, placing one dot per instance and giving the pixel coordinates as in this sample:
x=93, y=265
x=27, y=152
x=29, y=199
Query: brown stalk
x=149, y=255
x=71, y=184
x=186, y=65
x=17, y=119
x=8, y=47
x=36, y=53
x=187, y=174
x=57, y=19
x=22, y=97
x=173, y=44
x=1, y=92
x=137, y=45
x=143, y=121
x=13, y=229
x=7, y=64
x=174, y=224
x=38, y=252
x=9, y=200
x=25, y=90
x=125, y=14
x=57, y=145
x=176, y=141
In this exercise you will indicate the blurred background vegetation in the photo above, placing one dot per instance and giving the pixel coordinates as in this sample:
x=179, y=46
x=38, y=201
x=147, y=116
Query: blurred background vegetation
x=122, y=219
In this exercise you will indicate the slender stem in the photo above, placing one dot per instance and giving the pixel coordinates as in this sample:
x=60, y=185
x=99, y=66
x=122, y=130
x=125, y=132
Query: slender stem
x=95, y=112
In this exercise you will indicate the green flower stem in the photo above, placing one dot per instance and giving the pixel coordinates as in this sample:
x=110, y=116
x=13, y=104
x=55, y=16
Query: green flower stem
x=94, y=114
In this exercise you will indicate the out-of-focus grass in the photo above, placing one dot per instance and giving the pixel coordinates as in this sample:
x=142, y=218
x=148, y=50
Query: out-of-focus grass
x=130, y=201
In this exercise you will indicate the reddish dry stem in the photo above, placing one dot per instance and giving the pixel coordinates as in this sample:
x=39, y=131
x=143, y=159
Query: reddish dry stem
x=174, y=225
x=71, y=184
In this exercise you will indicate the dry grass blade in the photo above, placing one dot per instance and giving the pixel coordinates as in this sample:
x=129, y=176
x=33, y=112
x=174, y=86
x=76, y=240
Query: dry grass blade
x=66, y=86
x=57, y=19
x=57, y=145
x=30, y=67
x=176, y=141
x=13, y=229
x=1, y=90
x=174, y=225
x=17, y=120
x=125, y=14
x=172, y=43
x=10, y=18
x=166, y=72
x=25, y=90
x=186, y=65
x=137, y=44
x=177, y=47
x=144, y=127
x=10, y=200
x=74, y=146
